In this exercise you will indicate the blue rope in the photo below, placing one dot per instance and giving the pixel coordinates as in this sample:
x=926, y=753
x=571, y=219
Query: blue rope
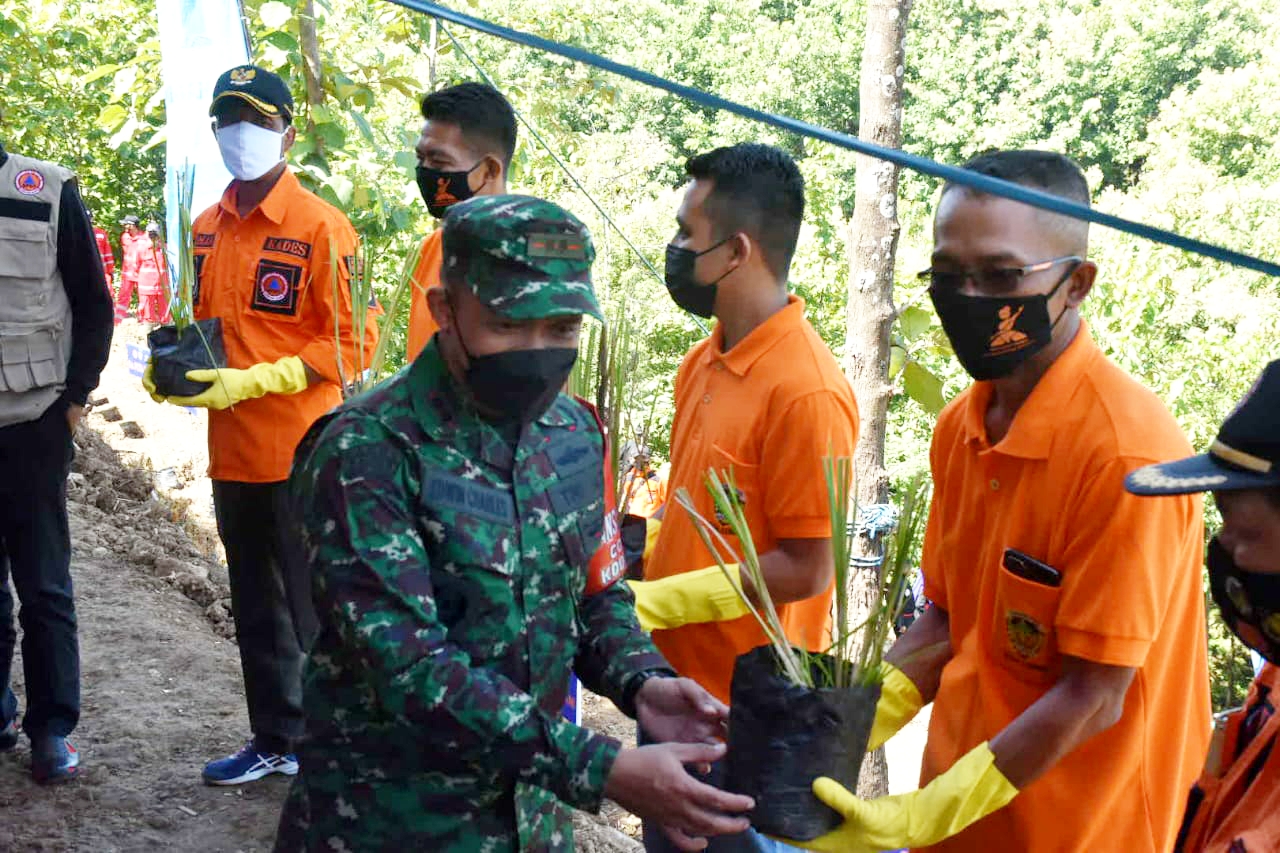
x=533, y=131
x=952, y=174
x=873, y=522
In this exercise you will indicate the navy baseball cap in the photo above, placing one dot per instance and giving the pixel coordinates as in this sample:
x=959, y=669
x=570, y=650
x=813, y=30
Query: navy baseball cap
x=1245, y=455
x=264, y=91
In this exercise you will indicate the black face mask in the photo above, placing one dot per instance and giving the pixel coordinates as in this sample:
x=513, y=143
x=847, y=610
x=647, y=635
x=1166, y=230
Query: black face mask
x=516, y=386
x=1249, y=601
x=993, y=335
x=440, y=190
x=682, y=284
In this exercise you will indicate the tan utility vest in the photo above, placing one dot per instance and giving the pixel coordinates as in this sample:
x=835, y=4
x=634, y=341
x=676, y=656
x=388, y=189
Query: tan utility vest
x=35, y=314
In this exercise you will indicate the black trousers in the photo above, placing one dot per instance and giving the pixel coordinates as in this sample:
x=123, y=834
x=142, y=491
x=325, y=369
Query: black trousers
x=35, y=548
x=271, y=603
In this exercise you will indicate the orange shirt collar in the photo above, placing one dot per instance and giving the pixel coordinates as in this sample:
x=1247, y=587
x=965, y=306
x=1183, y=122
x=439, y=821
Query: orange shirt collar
x=274, y=206
x=1031, y=434
x=758, y=341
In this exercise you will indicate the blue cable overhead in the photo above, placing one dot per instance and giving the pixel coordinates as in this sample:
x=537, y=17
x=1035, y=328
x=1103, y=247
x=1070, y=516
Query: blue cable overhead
x=952, y=174
x=564, y=167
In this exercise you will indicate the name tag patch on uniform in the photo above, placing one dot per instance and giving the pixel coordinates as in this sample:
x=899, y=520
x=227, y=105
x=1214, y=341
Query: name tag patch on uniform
x=28, y=211
x=199, y=266
x=202, y=240
x=276, y=288
x=29, y=182
x=448, y=491
x=297, y=248
x=570, y=457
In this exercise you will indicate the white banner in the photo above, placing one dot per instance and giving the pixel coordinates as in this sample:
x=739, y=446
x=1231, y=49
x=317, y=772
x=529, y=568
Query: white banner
x=199, y=39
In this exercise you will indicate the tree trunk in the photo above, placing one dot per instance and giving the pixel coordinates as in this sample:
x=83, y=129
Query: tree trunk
x=311, y=67
x=873, y=235
x=433, y=54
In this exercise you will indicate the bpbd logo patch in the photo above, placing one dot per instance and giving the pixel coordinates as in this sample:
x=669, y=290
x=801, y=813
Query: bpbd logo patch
x=29, y=182
x=275, y=288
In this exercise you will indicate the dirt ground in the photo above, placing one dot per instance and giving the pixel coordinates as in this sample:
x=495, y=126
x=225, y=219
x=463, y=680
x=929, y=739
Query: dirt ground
x=161, y=683
x=162, y=692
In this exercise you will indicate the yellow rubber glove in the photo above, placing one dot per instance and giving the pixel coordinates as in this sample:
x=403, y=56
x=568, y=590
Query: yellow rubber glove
x=900, y=701
x=231, y=386
x=150, y=384
x=651, y=528
x=972, y=789
x=702, y=596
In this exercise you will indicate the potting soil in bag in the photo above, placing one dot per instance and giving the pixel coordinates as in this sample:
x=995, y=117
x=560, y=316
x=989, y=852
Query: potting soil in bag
x=782, y=737
x=199, y=347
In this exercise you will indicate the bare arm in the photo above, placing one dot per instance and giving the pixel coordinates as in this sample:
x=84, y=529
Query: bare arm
x=313, y=378
x=1086, y=700
x=924, y=650
x=797, y=569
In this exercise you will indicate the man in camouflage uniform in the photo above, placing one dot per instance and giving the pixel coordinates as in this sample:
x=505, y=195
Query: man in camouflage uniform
x=464, y=552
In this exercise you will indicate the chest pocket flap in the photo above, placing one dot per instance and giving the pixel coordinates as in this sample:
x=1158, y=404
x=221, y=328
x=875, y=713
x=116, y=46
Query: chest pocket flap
x=25, y=250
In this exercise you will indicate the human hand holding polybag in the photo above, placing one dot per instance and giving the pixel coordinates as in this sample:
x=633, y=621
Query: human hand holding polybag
x=230, y=385
x=972, y=789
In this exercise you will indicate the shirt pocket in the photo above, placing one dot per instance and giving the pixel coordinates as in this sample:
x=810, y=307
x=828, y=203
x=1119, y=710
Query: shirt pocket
x=474, y=590
x=1023, y=639
x=28, y=257
x=745, y=478
x=279, y=288
x=578, y=504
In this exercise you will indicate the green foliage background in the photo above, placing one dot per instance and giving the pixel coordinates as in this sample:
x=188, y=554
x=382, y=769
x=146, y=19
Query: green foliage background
x=1173, y=107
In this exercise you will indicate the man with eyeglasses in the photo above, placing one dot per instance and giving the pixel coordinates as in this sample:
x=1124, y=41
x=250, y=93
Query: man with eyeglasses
x=264, y=264
x=1065, y=654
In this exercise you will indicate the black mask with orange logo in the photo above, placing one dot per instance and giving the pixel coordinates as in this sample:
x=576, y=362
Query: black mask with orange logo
x=441, y=190
x=993, y=335
x=1249, y=601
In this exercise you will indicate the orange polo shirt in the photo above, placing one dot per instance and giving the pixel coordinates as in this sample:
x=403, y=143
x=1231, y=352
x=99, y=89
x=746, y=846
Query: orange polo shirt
x=426, y=276
x=1053, y=488
x=770, y=409
x=270, y=278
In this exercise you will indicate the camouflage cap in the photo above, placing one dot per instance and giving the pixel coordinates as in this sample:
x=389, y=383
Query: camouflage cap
x=523, y=257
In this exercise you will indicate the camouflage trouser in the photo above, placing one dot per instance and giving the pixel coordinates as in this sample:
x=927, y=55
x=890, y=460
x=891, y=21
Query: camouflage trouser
x=330, y=814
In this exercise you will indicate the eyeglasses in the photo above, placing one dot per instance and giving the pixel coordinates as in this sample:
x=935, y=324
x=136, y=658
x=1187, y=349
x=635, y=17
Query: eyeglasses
x=993, y=280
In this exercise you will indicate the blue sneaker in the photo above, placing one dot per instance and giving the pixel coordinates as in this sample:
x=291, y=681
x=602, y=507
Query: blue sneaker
x=53, y=760
x=247, y=765
x=9, y=735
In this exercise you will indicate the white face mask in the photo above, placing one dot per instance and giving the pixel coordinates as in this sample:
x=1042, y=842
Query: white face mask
x=248, y=150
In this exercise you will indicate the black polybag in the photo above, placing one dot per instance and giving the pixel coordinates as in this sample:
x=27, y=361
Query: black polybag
x=783, y=736
x=634, y=531
x=199, y=347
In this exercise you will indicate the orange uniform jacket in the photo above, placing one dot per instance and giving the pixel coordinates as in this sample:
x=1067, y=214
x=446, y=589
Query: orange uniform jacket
x=768, y=410
x=269, y=277
x=151, y=266
x=1235, y=808
x=104, y=249
x=1053, y=488
x=644, y=494
x=427, y=275
x=128, y=260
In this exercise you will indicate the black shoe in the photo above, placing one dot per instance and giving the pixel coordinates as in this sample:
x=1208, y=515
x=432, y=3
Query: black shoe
x=9, y=735
x=53, y=760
